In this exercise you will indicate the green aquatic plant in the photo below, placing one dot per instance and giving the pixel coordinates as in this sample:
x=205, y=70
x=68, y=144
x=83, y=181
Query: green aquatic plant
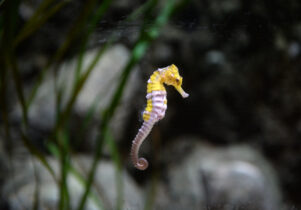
x=13, y=34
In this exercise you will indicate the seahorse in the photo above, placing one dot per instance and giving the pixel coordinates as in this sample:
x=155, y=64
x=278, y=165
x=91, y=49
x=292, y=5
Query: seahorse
x=156, y=107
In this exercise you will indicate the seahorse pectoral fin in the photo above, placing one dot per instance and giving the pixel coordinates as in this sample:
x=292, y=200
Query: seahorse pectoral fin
x=181, y=91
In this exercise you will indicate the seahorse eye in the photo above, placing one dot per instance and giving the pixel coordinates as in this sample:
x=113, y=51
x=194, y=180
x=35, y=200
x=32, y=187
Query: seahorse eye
x=177, y=81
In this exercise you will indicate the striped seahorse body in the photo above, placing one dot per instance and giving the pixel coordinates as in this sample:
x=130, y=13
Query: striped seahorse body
x=156, y=107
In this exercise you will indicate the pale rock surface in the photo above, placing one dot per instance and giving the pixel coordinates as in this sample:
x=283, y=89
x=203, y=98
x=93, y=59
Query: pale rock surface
x=98, y=90
x=202, y=176
x=26, y=175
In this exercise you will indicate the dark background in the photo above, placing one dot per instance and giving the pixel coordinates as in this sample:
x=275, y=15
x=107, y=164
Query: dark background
x=240, y=61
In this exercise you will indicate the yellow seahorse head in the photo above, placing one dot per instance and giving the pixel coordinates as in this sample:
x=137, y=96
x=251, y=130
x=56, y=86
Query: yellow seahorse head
x=172, y=77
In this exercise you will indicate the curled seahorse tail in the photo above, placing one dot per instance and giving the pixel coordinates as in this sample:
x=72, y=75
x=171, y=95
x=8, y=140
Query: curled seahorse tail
x=140, y=163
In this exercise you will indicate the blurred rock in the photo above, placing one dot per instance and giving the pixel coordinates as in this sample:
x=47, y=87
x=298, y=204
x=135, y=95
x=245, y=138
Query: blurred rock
x=29, y=174
x=234, y=177
x=97, y=91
